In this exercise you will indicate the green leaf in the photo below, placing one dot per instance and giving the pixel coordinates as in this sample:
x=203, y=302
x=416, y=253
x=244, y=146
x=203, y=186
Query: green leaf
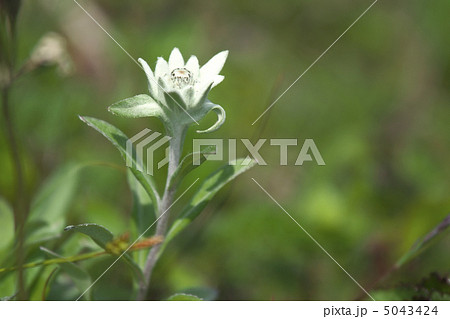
x=184, y=297
x=137, y=106
x=49, y=207
x=102, y=236
x=207, y=190
x=205, y=293
x=80, y=277
x=119, y=140
x=99, y=234
x=424, y=242
x=187, y=165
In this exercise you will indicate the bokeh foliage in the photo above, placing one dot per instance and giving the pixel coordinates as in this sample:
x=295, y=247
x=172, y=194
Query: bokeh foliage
x=377, y=106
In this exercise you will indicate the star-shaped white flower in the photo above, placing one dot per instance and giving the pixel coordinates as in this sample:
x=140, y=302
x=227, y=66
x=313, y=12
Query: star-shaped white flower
x=178, y=91
x=176, y=75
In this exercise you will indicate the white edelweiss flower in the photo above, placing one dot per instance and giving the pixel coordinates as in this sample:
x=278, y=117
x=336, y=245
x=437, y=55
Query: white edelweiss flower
x=182, y=88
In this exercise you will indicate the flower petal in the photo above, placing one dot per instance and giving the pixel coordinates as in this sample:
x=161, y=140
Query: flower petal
x=175, y=60
x=217, y=80
x=161, y=69
x=201, y=93
x=214, y=66
x=152, y=85
x=193, y=66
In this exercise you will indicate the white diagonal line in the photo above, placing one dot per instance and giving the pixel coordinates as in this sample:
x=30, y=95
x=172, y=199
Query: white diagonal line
x=137, y=239
x=315, y=61
x=131, y=57
x=313, y=239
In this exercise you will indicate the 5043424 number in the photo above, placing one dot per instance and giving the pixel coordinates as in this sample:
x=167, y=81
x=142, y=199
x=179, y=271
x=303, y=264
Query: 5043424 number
x=410, y=310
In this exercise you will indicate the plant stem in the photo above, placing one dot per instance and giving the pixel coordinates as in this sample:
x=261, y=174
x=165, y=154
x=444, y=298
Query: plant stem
x=175, y=149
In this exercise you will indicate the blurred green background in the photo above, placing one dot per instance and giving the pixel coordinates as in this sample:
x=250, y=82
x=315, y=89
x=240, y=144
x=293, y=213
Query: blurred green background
x=376, y=105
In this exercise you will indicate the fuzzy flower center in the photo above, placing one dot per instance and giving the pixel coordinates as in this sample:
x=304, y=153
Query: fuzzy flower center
x=181, y=77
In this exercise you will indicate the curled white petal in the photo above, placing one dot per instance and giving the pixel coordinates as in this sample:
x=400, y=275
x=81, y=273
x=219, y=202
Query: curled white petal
x=221, y=116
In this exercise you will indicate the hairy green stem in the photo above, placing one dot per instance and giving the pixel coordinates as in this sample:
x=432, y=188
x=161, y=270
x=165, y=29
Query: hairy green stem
x=175, y=149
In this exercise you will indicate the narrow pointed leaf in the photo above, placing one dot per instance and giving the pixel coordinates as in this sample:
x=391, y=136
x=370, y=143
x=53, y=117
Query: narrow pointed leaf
x=102, y=236
x=99, y=234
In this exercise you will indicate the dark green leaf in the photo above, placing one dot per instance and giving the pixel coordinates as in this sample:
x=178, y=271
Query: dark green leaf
x=99, y=234
x=102, y=236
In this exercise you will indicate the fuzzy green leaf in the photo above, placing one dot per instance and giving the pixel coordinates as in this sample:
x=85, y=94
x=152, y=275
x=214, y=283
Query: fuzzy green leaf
x=137, y=106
